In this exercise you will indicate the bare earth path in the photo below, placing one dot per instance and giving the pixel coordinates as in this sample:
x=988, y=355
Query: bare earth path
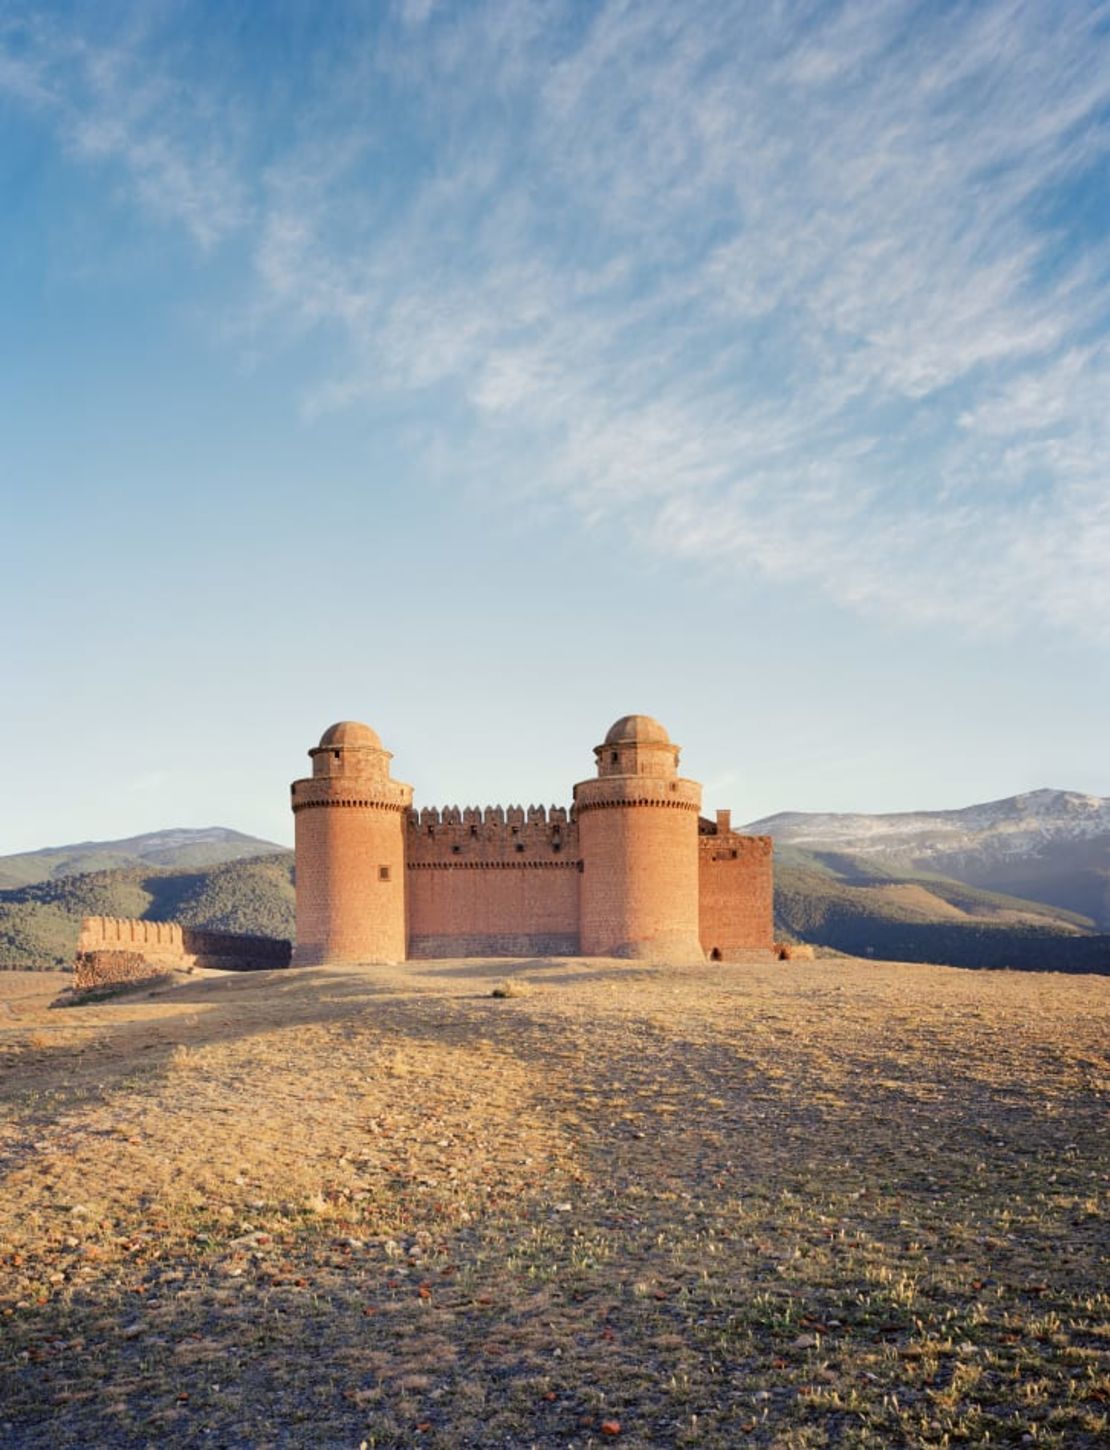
x=800, y=1204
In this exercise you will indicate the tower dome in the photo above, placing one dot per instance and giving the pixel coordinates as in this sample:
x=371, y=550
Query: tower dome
x=641, y=728
x=350, y=732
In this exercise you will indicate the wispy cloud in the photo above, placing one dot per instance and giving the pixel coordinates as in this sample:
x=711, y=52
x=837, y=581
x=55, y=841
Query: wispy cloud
x=801, y=290
x=110, y=104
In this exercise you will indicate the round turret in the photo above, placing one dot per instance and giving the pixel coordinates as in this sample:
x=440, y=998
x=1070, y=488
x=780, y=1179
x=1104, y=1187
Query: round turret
x=638, y=836
x=637, y=745
x=350, y=861
x=350, y=748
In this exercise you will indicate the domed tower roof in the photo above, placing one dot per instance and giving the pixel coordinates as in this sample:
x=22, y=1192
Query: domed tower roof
x=350, y=732
x=637, y=745
x=349, y=748
x=641, y=728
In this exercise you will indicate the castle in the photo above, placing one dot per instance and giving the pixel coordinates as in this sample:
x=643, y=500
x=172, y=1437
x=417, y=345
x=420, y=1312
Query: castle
x=631, y=870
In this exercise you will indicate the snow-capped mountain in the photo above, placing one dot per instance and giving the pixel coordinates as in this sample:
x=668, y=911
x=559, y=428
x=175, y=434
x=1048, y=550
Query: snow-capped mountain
x=1048, y=845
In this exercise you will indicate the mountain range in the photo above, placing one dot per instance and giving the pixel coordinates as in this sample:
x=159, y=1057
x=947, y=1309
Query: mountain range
x=180, y=848
x=1049, y=846
x=1020, y=882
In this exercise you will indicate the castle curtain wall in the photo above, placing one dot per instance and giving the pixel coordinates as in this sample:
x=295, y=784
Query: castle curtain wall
x=735, y=894
x=492, y=883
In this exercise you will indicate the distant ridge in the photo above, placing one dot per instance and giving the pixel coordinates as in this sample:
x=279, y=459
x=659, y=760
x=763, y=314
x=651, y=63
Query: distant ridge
x=176, y=847
x=39, y=923
x=1048, y=846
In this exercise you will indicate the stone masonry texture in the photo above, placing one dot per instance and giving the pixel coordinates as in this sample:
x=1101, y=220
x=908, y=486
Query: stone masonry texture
x=111, y=950
x=630, y=870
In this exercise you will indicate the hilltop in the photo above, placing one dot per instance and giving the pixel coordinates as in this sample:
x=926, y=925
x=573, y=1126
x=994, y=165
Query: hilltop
x=179, y=848
x=780, y=1204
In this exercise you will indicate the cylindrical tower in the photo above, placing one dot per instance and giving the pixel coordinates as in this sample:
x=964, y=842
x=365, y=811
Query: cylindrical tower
x=349, y=820
x=638, y=839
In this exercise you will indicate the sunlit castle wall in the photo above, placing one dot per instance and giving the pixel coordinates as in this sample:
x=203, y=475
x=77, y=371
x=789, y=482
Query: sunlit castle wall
x=492, y=882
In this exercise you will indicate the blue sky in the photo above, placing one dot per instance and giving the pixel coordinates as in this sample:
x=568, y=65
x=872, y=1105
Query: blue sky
x=487, y=371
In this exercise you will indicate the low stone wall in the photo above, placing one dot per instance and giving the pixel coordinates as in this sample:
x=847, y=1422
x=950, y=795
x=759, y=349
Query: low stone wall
x=93, y=971
x=112, y=950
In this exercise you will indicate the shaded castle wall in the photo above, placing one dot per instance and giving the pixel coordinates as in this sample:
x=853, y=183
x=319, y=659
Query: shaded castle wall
x=112, y=949
x=492, y=882
x=735, y=893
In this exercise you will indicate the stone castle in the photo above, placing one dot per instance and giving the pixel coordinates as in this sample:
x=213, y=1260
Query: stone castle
x=632, y=869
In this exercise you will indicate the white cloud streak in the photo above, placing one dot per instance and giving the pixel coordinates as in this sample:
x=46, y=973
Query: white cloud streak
x=798, y=290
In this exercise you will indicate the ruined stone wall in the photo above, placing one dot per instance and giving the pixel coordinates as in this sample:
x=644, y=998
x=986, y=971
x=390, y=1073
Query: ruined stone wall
x=492, y=882
x=735, y=894
x=98, y=969
x=114, y=949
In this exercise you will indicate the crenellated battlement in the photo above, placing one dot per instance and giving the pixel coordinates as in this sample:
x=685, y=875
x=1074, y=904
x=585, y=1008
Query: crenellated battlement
x=488, y=816
x=116, y=933
x=476, y=835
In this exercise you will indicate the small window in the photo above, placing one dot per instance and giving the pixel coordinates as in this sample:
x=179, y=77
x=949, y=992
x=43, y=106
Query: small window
x=383, y=873
x=336, y=754
x=520, y=845
x=613, y=758
x=715, y=954
x=455, y=850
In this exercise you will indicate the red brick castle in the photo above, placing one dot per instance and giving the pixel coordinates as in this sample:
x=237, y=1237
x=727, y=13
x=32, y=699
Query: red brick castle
x=631, y=870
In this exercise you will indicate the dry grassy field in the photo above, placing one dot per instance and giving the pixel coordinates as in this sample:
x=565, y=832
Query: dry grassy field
x=794, y=1204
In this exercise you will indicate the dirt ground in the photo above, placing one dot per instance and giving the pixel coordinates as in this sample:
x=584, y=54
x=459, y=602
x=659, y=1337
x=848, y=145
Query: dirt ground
x=826, y=1203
